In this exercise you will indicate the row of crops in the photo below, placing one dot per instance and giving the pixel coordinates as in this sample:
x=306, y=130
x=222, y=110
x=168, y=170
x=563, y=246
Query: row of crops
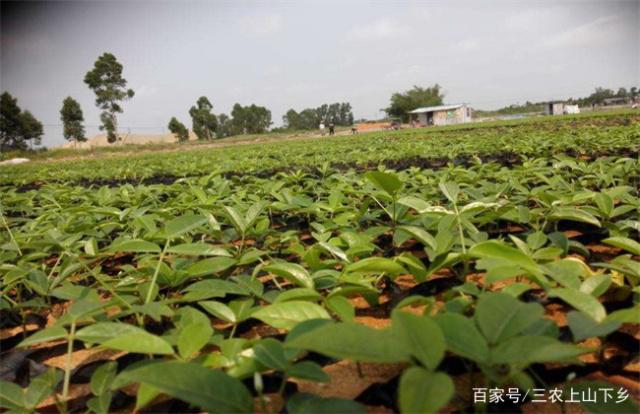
x=409, y=271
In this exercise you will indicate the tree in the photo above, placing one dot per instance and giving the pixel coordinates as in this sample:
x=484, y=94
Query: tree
x=622, y=93
x=403, y=102
x=310, y=118
x=292, y=120
x=17, y=128
x=31, y=128
x=106, y=81
x=178, y=129
x=72, y=119
x=204, y=123
x=251, y=119
x=224, y=126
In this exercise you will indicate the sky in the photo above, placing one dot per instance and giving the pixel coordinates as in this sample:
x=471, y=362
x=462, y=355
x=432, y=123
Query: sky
x=302, y=54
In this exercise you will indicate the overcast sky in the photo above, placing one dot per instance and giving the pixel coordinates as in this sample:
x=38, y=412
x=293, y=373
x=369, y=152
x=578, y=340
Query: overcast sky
x=301, y=54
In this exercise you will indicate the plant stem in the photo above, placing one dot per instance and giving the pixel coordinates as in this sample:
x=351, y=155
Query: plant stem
x=67, y=365
x=155, y=274
x=283, y=384
x=13, y=239
x=461, y=234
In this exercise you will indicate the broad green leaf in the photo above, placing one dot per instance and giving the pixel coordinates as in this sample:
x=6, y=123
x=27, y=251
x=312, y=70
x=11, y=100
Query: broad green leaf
x=421, y=235
x=604, y=203
x=41, y=387
x=334, y=250
x=219, y=310
x=181, y=225
x=421, y=336
x=583, y=302
x=413, y=265
x=210, y=266
x=124, y=337
x=146, y=394
x=308, y=370
x=301, y=403
x=236, y=219
x=341, y=307
x=566, y=272
x=462, y=337
x=583, y=326
x=422, y=391
x=209, y=389
x=624, y=243
x=497, y=250
x=198, y=249
x=11, y=396
x=101, y=403
x=500, y=316
x=46, y=335
x=387, y=182
x=376, y=265
x=596, y=285
x=573, y=214
x=135, y=246
x=285, y=315
x=524, y=350
x=217, y=287
x=450, y=190
x=103, y=377
x=192, y=338
x=292, y=272
x=307, y=294
x=350, y=340
x=415, y=203
x=270, y=353
x=629, y=315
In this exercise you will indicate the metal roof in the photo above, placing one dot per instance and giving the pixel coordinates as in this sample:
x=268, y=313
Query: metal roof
x=435, y=108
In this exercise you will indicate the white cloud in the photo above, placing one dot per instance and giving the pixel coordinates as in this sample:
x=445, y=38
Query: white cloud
x=381, y=29
x=598, y=32
x=261, y=25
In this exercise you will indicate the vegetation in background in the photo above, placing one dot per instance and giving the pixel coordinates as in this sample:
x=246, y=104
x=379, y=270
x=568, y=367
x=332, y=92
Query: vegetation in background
x=72, y=119
x=204, y=123
x=251, y=119
x=224, y=126
x=600, y=94
x=18, y=128
x=106, y=81
x=403, y=102
x=178, y=129
x=596, y=98
x=339, y=114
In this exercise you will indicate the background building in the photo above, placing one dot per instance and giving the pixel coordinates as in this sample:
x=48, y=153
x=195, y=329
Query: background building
x=441, y=115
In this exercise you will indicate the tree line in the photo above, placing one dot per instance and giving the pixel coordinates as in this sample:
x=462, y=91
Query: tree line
x=19, y=129
x=310, y=118
x=206, y=125
x=597, y=97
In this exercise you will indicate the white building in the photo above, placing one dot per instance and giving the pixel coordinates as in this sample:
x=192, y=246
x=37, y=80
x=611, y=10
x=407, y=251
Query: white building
x=441, y=115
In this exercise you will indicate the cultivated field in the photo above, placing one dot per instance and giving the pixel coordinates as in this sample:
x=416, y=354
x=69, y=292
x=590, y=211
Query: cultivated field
x=383, y=272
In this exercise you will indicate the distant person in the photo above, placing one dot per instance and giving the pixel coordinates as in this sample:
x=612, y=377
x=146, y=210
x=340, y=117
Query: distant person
x=332, y=129
x=322, y=128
